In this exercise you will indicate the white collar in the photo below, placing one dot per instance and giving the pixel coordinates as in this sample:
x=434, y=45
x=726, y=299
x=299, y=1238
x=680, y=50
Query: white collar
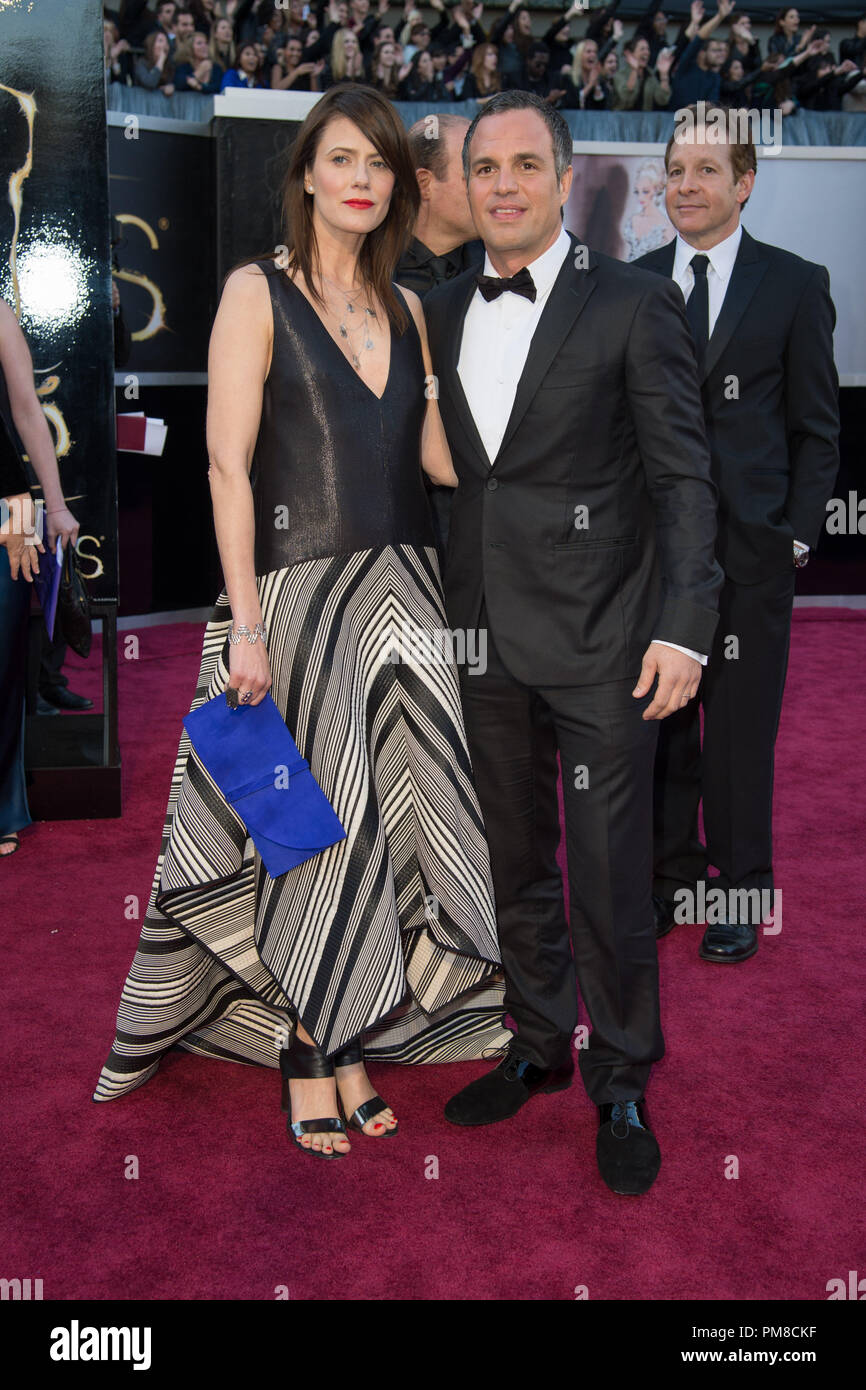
x=720, y=256
x=545, y=267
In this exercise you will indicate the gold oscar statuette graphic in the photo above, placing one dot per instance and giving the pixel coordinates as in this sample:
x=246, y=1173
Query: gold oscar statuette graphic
x=157, y=320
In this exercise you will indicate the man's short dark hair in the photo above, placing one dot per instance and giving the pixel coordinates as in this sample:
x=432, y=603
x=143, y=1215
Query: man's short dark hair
x=537, y=47
x=560, y=134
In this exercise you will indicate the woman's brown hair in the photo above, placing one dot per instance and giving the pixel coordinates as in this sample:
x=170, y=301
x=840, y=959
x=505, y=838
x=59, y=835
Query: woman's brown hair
x=382, y=248
x=150, y=57
x=485, y=82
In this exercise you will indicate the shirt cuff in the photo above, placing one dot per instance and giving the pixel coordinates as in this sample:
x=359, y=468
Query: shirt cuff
x=696, y=656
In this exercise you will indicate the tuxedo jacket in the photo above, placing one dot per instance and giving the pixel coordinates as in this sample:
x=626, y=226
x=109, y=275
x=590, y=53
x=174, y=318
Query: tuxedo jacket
x=771, y=405
x=592, y=531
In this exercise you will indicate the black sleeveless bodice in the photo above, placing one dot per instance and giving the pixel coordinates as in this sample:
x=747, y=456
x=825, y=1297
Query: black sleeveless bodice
x=335, y=468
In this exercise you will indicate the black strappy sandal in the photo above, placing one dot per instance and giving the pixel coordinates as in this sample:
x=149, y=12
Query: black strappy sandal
x=368, y=1109
x=10, y=839
x=304, y=1062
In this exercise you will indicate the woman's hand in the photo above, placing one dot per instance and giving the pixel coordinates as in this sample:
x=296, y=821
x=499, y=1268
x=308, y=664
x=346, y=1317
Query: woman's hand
x=249, y=669
x=63, y=524
x=20, y=539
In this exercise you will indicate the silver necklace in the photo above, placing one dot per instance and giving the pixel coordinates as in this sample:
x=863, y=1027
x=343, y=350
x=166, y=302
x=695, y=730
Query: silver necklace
x=362, y=326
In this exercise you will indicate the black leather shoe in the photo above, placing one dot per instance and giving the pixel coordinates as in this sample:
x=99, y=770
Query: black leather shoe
x=502, y=1092
x=626, y=1148
x=727, y=943
x=663, y=912
x=43, y=707
x=62, y=698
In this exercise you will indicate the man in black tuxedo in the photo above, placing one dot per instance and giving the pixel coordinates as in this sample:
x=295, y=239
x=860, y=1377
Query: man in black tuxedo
x=763, y=321
x=582, y=541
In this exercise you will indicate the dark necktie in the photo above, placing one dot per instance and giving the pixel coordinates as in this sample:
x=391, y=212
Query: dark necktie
x=698, y=306
x=442, y=268
x=521, y=283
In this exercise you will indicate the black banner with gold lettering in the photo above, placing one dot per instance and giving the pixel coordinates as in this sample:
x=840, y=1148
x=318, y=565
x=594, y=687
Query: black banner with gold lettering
x=55, y=251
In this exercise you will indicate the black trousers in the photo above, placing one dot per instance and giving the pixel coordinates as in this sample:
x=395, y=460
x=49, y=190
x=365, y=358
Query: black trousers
x=741, y=694
x=607, y=753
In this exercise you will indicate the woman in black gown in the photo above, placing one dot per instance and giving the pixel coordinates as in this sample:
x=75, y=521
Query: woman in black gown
x=321, y=414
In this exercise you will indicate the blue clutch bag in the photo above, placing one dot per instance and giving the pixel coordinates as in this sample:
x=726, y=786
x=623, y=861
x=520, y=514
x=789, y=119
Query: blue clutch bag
x=255, y=762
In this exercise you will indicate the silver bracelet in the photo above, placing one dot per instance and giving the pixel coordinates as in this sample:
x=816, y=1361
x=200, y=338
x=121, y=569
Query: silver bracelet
x=235, y=634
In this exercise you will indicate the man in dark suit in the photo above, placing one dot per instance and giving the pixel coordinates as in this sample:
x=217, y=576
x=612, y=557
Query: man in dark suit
x=581, y=543
x=763, y=321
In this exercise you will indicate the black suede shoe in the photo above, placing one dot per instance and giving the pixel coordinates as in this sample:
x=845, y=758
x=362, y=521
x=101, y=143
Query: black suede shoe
x=727, y=943
x=502, y=1092
x=663, y=912
x=626, y=1148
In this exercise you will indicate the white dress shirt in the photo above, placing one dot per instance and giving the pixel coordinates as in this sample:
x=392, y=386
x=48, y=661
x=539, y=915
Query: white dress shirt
x=721, y=265
x=495, y=345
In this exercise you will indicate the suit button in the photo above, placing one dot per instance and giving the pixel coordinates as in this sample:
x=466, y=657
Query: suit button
x=492, y=484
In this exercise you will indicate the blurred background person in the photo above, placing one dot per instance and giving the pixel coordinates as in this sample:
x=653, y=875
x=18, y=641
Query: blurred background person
x=155, y=70
x=484, y=78
x=247, y=73
x=196, y=70
x=23, y=428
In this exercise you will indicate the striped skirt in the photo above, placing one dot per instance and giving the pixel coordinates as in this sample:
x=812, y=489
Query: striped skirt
x=391, y=933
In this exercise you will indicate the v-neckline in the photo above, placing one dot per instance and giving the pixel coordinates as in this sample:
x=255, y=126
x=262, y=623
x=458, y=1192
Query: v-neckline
x=336, y=346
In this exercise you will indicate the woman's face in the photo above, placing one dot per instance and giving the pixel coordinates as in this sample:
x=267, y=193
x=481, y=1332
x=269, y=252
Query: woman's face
x=610, y=64
x=248, y=59
x=386, y=54
x=350, y=44
x=524, y=23
x=293, y=53
x=791, y=22
x=590, y=54
x=223, y=31
x=353, y=184
x=386, y=34
x=160, y=45
x=508, y=34
x=736, y=72
x=109, y=34
x=199, y=47
x=643, y=190
x=425, y=66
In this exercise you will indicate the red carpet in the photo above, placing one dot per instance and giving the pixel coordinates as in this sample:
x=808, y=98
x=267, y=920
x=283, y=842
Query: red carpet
x=764, y=1062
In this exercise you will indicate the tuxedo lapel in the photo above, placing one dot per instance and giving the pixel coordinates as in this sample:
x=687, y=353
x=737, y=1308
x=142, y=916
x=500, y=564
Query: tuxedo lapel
x=746, y=275
x=453, y=384
x=567, y=299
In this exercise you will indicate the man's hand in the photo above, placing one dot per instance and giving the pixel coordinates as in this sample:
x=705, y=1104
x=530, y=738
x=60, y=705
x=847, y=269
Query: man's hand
x=679, y=677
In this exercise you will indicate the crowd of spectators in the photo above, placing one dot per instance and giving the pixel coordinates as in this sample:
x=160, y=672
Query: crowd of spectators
x=207, y=46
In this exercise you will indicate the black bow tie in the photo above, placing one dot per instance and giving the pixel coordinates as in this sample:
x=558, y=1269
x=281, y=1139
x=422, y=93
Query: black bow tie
x=521, y=283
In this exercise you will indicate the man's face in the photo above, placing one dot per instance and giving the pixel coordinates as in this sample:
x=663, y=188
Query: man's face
x=184, y=26
x=702, y=197
x=165, y=15
x=514, y=194
x=716, y=52
x=536, y=65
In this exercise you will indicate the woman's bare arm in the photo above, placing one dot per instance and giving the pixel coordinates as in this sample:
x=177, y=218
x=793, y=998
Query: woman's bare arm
x=238, y=362
x=435, y=453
